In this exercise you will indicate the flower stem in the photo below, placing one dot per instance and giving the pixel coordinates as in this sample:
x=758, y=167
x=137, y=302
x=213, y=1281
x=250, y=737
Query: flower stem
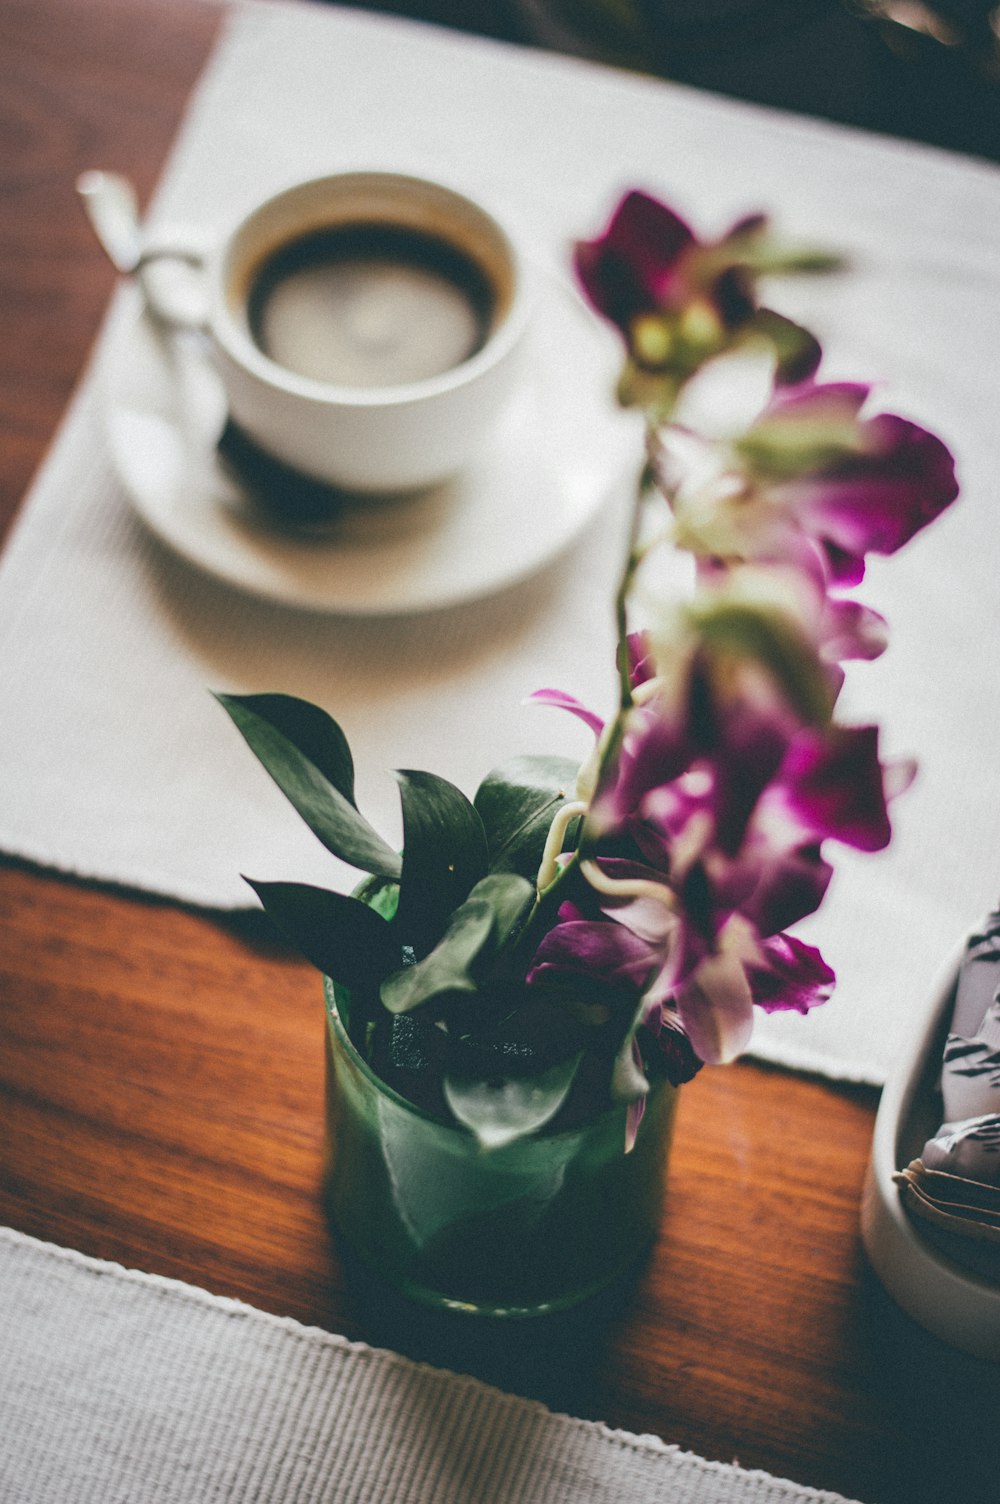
x=634, y=556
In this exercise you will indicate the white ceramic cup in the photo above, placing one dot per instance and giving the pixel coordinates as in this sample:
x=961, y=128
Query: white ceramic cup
x=357, y=437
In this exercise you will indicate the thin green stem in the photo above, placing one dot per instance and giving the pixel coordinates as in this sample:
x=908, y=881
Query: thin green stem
x=633, y=558
x=539, y=920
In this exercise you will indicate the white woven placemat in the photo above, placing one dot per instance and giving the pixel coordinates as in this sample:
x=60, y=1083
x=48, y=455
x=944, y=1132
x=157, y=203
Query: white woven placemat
x=124, y=1388
x=115, y=763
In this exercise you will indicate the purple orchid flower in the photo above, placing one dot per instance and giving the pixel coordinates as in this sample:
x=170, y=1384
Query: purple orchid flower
x=678, y=301
x=725, y=804
x=706, y=995
x=649, y=262
x=837, y=627
x=810, y=482
x=791, y=978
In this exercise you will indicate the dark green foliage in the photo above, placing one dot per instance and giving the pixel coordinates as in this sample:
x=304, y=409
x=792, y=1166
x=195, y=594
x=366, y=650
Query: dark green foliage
x=428, y=948
x=444, y=856
x=306, y=754
x=342, y=936
x=518, y=802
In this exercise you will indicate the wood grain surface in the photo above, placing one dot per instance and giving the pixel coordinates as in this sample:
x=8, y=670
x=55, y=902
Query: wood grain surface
x=161, y=1070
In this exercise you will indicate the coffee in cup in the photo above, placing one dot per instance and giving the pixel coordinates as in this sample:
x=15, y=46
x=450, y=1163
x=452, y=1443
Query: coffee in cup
x=371, y=304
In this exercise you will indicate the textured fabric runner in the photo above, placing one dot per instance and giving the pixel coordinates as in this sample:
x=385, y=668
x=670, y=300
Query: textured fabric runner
x=117, y=1386
x=116, y=764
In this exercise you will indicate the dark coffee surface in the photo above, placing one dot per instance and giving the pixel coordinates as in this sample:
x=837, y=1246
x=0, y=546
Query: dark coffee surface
x=370, y=305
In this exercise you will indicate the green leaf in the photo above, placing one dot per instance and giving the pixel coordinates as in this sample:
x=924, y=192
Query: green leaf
x=518, y=802
x=483, y=924
x=509, y=895
x=628, y=1079
x=444, y=856
x=342, y=936
x=773, y=258
x=315, y=734
x=307, y=755
x=797, y=352
x=737, y=630
x=446, y=970
x=498, y=1112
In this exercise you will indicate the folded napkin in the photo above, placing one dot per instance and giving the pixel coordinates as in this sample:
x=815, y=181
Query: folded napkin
x=115, y=763
x=117, y=1386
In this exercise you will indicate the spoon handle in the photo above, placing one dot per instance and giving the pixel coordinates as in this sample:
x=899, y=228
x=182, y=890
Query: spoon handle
x=112, y=208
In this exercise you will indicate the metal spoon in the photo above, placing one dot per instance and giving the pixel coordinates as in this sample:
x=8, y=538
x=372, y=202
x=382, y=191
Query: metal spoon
x=112, y=209
x=111, y=206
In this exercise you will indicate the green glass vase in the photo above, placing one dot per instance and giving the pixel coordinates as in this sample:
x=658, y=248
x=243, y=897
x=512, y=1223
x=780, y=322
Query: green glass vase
x=536, y=1226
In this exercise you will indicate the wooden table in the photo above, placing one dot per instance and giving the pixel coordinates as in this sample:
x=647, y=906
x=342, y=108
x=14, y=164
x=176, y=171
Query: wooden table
x=161, y=1069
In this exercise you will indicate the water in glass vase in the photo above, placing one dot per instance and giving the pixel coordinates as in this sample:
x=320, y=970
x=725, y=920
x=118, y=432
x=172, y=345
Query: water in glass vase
x=535, y=1226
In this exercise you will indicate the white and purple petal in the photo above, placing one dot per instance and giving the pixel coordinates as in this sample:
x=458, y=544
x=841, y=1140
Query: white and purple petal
x=834, y=784
x=596, y=949
x=790, y=975
x=563, y=701
x=716, y=1009
x=627, y=271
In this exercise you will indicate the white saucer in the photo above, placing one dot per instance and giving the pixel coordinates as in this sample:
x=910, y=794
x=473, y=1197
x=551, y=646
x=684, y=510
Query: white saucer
x=560, y=447
x=955, y=1303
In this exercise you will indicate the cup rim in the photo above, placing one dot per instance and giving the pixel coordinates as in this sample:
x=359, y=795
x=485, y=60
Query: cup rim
x=240, y=348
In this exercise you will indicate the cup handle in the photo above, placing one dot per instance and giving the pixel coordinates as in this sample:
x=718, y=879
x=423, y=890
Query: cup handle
x=177, y=298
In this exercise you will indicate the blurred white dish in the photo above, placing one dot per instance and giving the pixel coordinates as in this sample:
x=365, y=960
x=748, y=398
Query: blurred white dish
x=560, y=448
x=951, y=1300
